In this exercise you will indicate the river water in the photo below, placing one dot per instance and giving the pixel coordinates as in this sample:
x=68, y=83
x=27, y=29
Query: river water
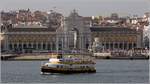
x=108, y=71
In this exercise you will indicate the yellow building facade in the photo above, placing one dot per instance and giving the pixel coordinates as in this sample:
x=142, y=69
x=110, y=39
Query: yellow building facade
x=117, y=37
x=28, y=39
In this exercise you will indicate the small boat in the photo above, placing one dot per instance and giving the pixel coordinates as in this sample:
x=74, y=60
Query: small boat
x=68, y=64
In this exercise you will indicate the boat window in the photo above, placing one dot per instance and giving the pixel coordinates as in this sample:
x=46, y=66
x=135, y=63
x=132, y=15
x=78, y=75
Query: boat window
x=82, y=66
x=61, y=66
x=57, y=66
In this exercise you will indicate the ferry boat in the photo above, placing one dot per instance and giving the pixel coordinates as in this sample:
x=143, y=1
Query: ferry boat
x=68, y=64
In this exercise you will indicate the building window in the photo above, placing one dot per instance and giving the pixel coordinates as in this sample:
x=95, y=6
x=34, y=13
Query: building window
x=60, y=46
x=54, y=46
x=49, y=47
x=107, y=45
x=34, y=45
x=15, y=45
x=111, y=46
x=120, y=45
x=87, y=66
x=125, y=45
x=24, y=45
x=20, y=47
x=87, y=45
x=134, y=45
x=29, y=45
x=116, y=45
x=44, y=46
x=39, y=46
x=130, y=46
x=10, y=46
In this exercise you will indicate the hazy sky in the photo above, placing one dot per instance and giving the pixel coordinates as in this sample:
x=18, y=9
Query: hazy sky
x=84, y=7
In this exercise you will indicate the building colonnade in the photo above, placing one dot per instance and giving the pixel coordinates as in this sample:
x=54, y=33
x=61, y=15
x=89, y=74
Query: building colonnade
x=66, y=42
x=118, y=45
x=36, y=46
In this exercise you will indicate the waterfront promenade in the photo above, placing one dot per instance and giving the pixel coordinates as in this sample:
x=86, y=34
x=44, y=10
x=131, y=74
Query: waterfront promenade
x=46, y=56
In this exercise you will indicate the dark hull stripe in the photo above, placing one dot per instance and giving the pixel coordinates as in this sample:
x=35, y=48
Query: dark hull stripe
x=51, y=70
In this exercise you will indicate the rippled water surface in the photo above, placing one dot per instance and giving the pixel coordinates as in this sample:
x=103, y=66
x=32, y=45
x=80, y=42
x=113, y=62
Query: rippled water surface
x=108, y=71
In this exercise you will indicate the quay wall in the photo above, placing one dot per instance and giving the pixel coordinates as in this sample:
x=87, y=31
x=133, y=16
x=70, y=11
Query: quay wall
x=29, y=57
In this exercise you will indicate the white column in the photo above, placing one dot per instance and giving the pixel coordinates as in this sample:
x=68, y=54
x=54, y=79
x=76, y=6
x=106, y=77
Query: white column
x=139, y=41
x=12, y=46
x=68, y=41
x=123, y=45
x=104, y=45
x=118, y=45
x=113, y=45
x=82, y=39
x=46, y=46
x=51, y=45
x=79, y=42
x=109, y=45
x=56, y=43
x=127, y=45
x=132, y=45
x=6, y=43
x=62, y=43
x=36, y=45
x=17, y=44
x=27, y=45
x=8, y=46
x=82, y=43
x=31, y=45
x=22, y=45
x=41, y=45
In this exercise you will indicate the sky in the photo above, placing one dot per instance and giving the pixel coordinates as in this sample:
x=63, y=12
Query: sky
x=84, y=7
